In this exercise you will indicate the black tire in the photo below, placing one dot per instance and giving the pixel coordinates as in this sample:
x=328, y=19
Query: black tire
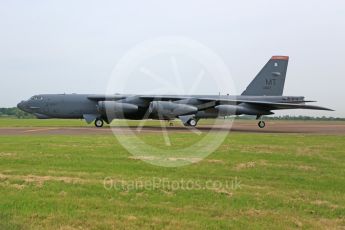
x=99, y=123
x=192, y=122
x=261, y=124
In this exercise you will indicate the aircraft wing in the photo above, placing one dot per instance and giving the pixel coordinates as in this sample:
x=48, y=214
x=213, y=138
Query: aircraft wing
x=277, y=106
x=211, y=102
x=103, y=97
x=266, y=104
x=164, y=97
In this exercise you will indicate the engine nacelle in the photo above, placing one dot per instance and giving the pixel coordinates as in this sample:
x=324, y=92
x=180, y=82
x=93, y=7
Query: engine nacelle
x=116, y=109
x=168, y=109
x=229, y=110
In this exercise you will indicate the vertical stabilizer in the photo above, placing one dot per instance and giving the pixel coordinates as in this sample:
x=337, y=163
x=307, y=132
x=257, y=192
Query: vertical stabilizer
x=270, y=80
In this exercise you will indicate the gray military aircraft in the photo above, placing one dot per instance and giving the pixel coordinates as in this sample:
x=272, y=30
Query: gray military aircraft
x=261, y=97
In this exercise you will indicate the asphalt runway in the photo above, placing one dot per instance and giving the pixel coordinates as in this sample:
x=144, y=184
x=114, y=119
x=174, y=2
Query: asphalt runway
x=325, y=128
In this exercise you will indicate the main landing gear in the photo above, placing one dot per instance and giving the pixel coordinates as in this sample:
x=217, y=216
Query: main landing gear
x=261, y=123
x=99, y=123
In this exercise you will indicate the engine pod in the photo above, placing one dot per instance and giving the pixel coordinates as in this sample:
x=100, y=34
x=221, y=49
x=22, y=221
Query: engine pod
x=229, y=110
x=168, y=109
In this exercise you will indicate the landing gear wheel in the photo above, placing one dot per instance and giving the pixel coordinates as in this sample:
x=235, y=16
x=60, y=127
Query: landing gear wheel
x=192, y=122
x=261, y=124
x=99, y=123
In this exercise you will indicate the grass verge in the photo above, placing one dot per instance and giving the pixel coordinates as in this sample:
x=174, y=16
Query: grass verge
x=282, y=181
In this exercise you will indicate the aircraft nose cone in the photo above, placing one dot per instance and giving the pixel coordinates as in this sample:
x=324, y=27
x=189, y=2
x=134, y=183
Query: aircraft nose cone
x=21, y=105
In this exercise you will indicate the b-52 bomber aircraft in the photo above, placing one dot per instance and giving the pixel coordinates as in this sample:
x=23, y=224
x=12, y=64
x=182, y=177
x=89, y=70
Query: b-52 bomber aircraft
x=262, y=96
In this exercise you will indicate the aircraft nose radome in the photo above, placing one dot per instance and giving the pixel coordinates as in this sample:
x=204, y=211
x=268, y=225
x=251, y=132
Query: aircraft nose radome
x=20, y=105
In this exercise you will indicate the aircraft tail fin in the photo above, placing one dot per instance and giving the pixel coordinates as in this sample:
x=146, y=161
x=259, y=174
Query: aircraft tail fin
x=270, y=80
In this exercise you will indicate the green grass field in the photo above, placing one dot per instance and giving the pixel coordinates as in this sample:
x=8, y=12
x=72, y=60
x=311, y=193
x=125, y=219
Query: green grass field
x=282, y=181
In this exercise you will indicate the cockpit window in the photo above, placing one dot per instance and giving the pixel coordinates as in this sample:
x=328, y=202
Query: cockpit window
x=35, y=98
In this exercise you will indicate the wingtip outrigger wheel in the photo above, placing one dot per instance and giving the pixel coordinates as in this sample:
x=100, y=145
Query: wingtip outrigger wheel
x=192, y=122
x=99, y=123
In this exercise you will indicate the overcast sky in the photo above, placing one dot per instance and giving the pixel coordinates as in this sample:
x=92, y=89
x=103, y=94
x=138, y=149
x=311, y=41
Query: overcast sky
x=73, y=46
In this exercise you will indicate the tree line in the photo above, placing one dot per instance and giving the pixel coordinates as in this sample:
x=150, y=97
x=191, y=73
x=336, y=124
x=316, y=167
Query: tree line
x=288, y=117
x=14, y=113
